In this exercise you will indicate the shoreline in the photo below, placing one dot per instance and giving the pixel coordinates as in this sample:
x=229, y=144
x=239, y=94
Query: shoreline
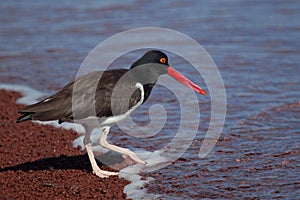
x=38, y=161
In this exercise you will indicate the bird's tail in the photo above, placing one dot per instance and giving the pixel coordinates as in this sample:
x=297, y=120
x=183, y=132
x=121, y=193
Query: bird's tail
x=24, y=117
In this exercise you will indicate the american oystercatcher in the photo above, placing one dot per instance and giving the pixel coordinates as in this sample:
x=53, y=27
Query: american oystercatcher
x=115, y=95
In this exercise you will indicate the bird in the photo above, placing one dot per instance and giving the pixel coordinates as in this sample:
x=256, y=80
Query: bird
x=107, y=96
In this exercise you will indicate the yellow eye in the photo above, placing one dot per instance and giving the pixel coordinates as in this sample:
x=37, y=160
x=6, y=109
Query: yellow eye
x=163, y=60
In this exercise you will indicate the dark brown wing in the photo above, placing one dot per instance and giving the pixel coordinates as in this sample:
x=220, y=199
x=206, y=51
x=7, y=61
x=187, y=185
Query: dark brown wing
x=84, y=99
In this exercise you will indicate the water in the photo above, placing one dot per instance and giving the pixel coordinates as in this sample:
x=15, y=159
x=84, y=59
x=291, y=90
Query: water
x=255, y=45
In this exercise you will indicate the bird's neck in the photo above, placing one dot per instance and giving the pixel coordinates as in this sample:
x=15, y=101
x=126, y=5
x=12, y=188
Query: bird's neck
x=145, y=74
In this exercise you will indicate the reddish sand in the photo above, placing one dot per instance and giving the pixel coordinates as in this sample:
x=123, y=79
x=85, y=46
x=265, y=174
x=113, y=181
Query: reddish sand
x=39, y=162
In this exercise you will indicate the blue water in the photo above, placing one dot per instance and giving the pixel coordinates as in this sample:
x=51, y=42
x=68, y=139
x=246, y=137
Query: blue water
x=255, y=45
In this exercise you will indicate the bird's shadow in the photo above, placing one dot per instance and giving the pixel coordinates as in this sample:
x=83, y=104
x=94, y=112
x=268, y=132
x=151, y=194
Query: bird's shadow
x=64, y=162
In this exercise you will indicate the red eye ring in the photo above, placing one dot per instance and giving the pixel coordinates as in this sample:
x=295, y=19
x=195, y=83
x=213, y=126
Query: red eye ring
x=163, y=60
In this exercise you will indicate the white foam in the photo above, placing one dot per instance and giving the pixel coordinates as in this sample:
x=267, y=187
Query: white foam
x=134, y=190
x=30, y=95
x=68, y=126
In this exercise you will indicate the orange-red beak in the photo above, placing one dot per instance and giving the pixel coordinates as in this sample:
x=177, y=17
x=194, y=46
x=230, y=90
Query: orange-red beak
x=180, y=78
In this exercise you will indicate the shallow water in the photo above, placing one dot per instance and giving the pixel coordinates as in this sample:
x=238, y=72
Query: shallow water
x=255, y=46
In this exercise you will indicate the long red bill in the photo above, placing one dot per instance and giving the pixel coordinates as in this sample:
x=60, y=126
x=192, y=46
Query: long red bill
x=180, y=78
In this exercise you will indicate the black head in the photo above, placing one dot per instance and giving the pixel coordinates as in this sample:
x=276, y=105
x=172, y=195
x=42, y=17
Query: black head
x=153, y=56
x=154, y=63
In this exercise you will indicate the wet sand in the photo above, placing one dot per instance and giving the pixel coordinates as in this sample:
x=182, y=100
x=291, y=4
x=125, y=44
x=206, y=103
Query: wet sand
x=39, y=162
